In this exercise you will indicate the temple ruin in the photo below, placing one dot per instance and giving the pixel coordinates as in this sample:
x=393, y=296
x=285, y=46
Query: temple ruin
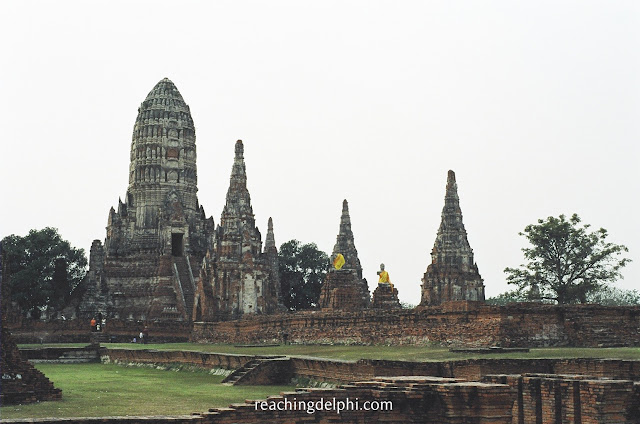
x=452, y=274
x=163, y=259
x=157, y=237
x=237, y=276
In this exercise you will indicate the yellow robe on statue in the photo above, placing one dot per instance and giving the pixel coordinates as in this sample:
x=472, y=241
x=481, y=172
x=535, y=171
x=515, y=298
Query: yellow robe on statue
x=339, y=261
x=384, y=278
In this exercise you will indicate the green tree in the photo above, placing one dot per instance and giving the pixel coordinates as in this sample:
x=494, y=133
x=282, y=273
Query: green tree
x=507, y=297
x=567, y=263
x=302, y=270
x=614, y=296
x=44, y=269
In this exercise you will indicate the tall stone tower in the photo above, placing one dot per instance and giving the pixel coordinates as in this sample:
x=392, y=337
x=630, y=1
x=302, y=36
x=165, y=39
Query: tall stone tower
x=345, y=289
x=237, y=276
x=159, y=235
x=452, y=274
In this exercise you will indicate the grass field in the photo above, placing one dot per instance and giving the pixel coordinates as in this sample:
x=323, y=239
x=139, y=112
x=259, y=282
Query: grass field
x=401, y=353
x=93, y=390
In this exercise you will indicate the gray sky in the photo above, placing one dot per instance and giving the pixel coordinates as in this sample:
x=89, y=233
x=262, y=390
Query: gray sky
x=534, y=105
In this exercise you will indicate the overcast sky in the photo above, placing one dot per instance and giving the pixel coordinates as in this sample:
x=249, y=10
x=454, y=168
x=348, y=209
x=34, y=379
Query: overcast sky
x=534, y=105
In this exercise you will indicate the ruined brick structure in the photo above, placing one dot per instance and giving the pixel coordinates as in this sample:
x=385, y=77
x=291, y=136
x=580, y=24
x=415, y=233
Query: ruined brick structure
x=345, y=289
x=237, y=276
x=452, y=274
x=157, y=237
x=385, y=296
x=21, y=382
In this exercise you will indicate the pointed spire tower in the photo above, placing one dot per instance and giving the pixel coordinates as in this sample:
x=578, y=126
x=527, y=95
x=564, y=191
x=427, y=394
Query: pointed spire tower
x=270, y=241
x=452, y=274
x=237, y=234
x=237, y=212
x=272, y=290
x=241, y=277
x=158, y=234
x=345, y=243
x=345, y=289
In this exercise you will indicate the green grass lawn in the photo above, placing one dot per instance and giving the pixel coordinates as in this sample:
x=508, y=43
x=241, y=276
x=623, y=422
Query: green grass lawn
x=93, y=390
x=401, y=353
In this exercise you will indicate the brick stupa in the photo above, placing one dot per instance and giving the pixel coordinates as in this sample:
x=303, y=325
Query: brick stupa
x=345, y=289
x=453, y=274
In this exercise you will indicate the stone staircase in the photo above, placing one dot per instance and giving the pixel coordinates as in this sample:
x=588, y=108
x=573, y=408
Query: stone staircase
x=184, y=274
x=98, y=337
x=241, y=373
x=77, y=357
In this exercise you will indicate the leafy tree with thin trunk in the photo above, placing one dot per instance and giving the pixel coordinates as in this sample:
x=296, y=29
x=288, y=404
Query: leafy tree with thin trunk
x=566, y=262
x=44, y=269
x=303, y=268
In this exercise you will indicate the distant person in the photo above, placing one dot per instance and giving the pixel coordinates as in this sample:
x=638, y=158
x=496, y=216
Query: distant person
x=141, y=335
x=93, y=325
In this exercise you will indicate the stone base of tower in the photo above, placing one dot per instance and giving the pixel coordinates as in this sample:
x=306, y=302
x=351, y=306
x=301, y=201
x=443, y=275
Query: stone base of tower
x=342, y=290
x=385, y=297
x=145, y=287
x=442, y=284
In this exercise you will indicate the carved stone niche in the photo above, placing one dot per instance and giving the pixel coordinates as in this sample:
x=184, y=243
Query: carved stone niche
x=173, y=153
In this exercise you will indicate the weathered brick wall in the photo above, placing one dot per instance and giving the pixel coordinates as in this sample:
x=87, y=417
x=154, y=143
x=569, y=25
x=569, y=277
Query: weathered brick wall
x=549, y=398
x=367, y=327
x=200, y=359
x=454, y=323
x=470, y=370
x=54, y=354
x=575, y=325
x=79, y=331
